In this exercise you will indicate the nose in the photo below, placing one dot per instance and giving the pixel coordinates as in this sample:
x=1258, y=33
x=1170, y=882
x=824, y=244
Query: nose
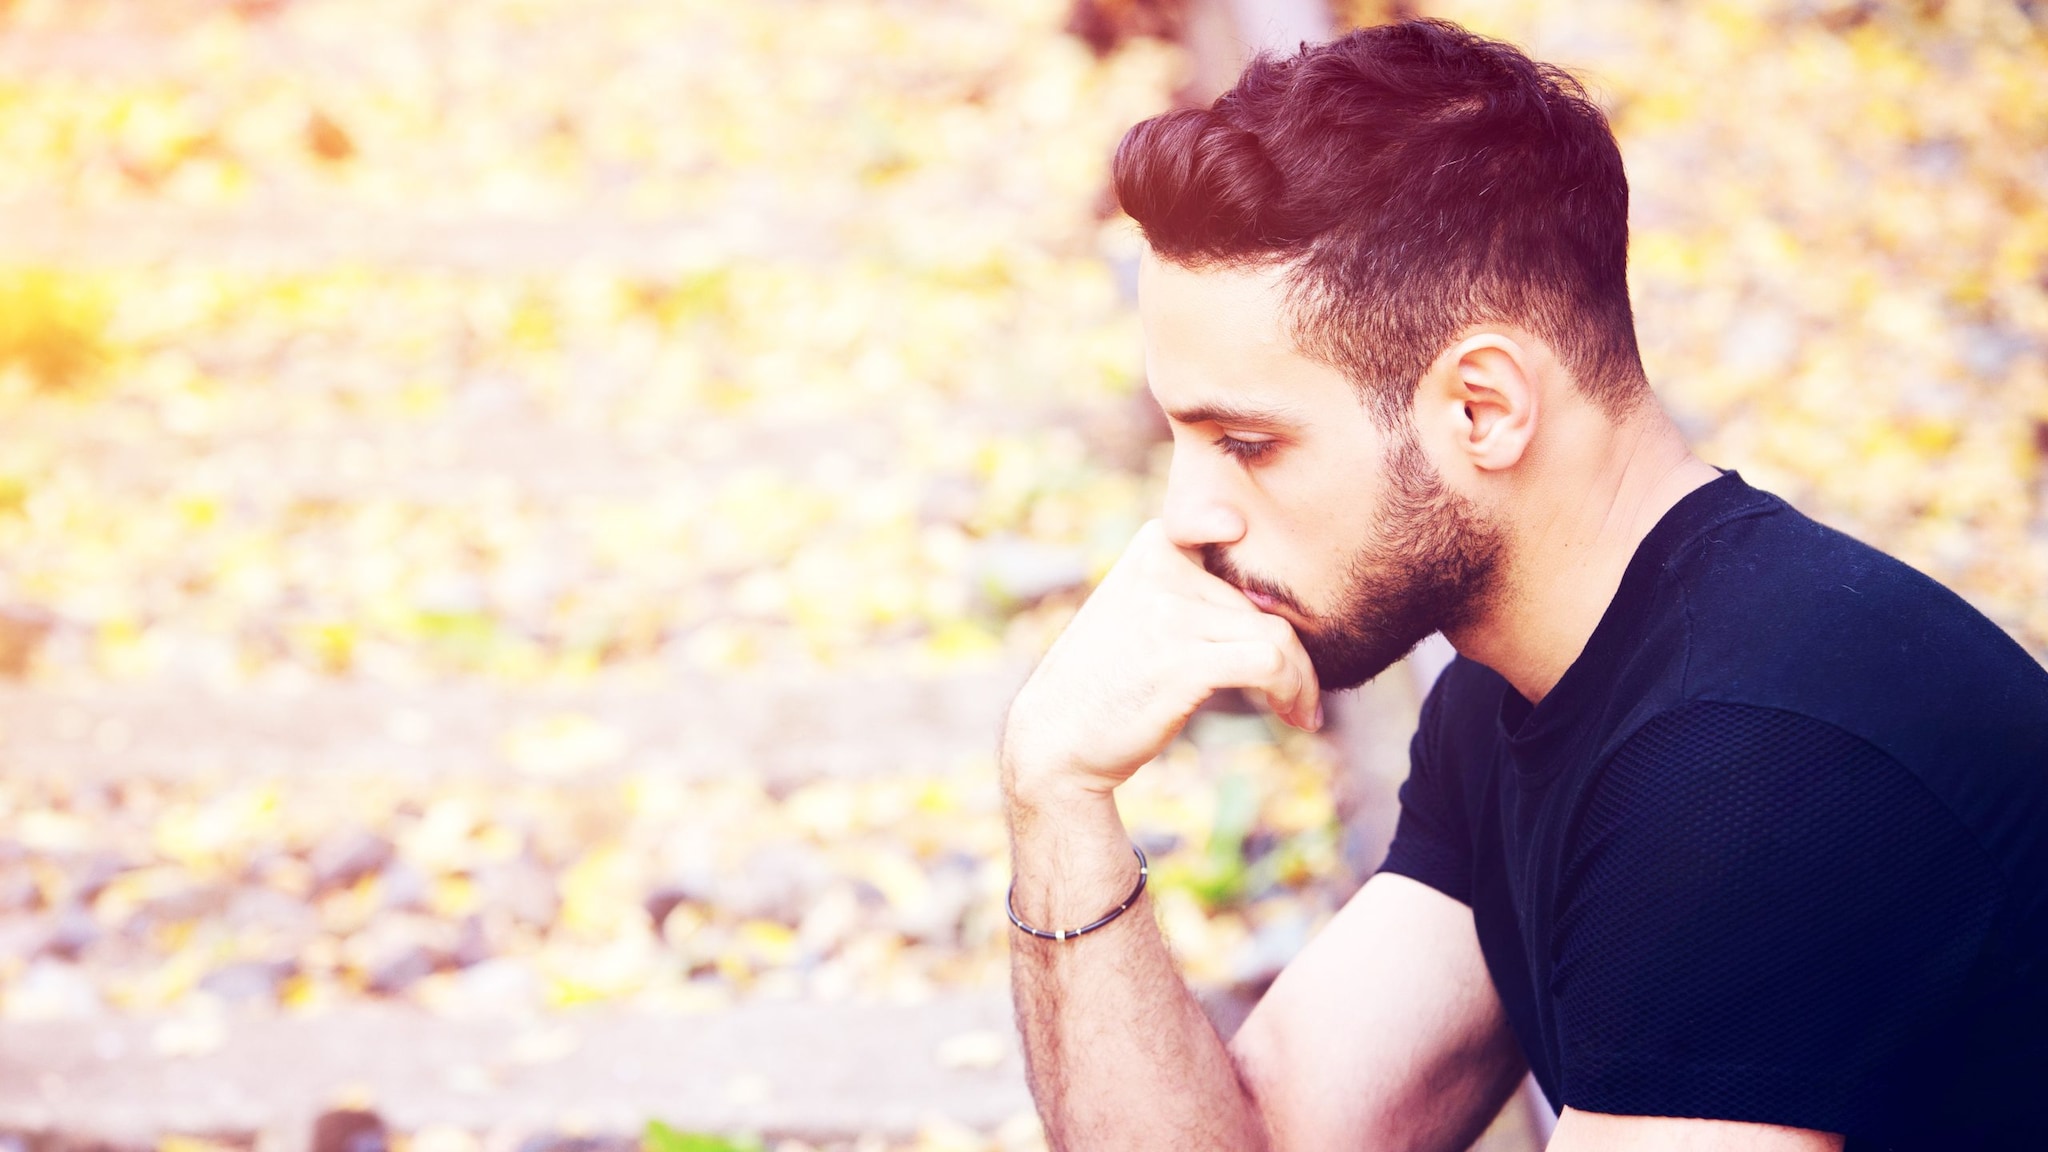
x=1199, y=510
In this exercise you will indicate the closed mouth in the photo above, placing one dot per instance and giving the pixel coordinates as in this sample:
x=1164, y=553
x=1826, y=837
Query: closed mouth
x=1266, y=603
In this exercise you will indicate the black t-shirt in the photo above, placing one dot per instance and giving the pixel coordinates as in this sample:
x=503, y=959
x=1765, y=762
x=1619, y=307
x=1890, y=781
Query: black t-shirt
x=1774, y=849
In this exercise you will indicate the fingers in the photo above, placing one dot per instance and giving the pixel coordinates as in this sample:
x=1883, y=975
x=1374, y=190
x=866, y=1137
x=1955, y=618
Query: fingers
x=1183, y=569
x=1255, y=650
x=1259, y=652
x=1258, y=666
x=1195, y=581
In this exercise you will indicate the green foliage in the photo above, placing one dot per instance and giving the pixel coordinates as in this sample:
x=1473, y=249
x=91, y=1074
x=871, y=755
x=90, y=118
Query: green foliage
x=660, y=1137
x=1221, y=878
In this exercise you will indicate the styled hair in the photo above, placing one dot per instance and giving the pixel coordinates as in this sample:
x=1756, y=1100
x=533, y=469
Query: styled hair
x=1416, y=179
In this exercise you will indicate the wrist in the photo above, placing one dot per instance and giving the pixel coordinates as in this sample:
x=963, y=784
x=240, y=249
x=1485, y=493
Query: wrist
x=1070, y=861
x=1055, y=790
x=1062, y=935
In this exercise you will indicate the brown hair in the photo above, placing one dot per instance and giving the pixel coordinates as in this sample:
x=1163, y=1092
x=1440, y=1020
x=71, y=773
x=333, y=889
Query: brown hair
x=1418, y=178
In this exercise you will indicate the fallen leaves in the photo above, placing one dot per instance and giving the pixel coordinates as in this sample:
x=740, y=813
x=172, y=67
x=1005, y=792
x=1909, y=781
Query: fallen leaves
x=288, y=894
x=527, y=343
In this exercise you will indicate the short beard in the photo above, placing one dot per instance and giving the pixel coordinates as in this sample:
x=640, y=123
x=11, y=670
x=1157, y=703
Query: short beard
x=1430, y=565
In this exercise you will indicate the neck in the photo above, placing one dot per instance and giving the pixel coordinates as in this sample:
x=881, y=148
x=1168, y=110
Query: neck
x=1579, y=525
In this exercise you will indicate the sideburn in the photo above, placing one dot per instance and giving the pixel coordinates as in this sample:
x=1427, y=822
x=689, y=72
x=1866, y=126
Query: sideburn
x=1431, y=564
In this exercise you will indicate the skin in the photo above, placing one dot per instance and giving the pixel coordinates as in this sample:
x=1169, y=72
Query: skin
x=1386, y=1032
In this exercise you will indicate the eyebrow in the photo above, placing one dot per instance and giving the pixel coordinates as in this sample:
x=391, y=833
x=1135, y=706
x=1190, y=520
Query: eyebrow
x=1274, y=419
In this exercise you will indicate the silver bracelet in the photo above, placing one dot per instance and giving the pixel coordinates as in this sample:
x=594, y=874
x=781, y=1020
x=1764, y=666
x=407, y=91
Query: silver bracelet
x=1010, y=906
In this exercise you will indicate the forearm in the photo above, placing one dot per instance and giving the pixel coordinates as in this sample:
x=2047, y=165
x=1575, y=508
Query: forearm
x=1119, y=1054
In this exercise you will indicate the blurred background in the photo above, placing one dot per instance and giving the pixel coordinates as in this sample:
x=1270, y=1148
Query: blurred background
x=519, y=519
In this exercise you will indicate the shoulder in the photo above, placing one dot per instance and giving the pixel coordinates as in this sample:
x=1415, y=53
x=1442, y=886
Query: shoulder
x=1783, y=610
x=1733, y=838
x=1786, y=615
x=1727, y=782
x=1730, y=862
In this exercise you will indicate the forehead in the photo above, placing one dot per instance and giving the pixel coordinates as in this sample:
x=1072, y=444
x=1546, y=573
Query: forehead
x=1219, y=337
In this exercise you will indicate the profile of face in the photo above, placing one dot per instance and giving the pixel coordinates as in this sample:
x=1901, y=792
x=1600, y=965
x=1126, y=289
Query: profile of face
x=1289, y=490
x=1425, y=567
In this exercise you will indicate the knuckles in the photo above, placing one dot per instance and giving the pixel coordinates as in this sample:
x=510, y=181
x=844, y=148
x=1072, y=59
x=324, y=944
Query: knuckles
x=1277, y=630
x=1272, y=660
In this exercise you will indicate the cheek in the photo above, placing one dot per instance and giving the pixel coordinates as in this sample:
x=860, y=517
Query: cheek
x=1321, y=522
x=1341, y=500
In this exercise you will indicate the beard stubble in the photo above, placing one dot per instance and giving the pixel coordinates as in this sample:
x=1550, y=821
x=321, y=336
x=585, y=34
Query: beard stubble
x=1429, y=565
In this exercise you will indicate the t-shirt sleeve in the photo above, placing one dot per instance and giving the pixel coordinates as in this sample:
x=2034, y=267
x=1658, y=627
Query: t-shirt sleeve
x=1432, y=836
x=1762, y=918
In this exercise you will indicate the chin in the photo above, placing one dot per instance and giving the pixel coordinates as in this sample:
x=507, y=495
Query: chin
x=1349, y=661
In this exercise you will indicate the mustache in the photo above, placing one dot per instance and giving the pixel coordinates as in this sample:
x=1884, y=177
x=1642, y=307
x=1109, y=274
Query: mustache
x=1220, y=566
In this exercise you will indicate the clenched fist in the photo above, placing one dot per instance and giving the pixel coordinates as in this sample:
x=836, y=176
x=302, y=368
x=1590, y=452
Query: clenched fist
x=1159, y=636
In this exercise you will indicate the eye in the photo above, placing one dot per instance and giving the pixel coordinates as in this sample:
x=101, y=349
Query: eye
x=1245, y=450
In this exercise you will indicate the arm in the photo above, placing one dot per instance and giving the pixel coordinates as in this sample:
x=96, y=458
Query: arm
x=1384, y=1033
x=1119, y=1054
x=1598, y=1132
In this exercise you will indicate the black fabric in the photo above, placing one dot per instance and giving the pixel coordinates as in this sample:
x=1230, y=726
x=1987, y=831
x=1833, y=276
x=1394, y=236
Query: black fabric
x=1775, y=848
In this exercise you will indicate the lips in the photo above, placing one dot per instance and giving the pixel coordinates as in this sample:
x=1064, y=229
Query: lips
x=1265, y=603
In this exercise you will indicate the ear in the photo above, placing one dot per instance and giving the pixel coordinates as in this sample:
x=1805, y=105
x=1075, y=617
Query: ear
x=1482, y=397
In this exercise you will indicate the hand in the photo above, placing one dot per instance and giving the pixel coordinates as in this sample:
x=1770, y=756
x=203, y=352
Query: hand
x=1158, y=636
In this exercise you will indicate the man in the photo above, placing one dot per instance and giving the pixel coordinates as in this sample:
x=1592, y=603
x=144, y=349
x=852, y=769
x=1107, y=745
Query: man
x=1728, y=827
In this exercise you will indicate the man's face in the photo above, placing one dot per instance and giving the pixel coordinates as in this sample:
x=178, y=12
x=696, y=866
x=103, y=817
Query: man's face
x=1291, y=492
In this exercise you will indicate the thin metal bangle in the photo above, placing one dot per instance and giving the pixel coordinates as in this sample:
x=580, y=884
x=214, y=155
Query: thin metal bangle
x=1010, y=906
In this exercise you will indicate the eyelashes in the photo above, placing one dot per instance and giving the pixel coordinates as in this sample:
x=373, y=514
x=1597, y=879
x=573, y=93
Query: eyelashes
x=1245, y=450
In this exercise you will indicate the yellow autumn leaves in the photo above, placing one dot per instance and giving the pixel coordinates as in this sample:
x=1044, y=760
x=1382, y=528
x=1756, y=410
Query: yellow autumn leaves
x=526, y=345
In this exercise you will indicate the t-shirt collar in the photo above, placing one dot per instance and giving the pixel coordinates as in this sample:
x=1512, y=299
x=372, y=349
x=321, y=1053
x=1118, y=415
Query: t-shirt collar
x=1535, y=734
